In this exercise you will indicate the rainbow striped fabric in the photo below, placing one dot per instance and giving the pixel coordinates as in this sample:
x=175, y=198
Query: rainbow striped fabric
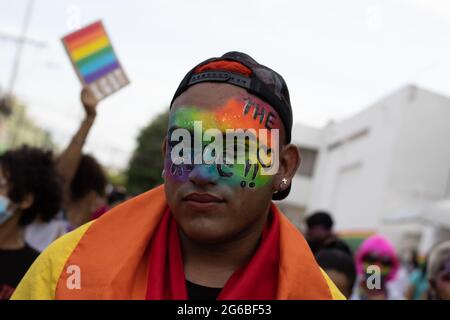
x=94, y=60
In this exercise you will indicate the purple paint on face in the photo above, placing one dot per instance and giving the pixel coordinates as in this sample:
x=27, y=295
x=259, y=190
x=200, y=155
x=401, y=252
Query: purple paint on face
x=238, y=113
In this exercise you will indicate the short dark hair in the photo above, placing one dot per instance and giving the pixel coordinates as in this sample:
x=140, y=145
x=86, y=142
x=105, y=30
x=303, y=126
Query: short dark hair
x=31, y=171
x=88, y=177
x=338, y=260
x=320, y=218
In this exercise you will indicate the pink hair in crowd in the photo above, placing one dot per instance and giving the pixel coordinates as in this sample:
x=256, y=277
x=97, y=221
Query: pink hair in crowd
x=379, y=245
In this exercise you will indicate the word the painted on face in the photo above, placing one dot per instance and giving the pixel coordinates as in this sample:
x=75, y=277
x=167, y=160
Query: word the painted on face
x=179, y=170
x=244, y=175
x=222, y=173
x=248, y=166
x=260, y=113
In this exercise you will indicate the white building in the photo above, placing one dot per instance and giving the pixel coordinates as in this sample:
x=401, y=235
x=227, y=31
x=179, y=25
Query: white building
x=390, y=157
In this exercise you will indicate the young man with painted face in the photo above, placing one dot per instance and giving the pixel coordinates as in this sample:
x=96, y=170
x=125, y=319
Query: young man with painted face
x=211, y=231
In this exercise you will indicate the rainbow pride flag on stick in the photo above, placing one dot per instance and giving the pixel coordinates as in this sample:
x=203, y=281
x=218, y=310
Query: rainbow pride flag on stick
x=95, y=61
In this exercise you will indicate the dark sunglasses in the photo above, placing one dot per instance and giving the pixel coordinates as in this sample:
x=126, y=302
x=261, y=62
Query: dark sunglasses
x=376, y=259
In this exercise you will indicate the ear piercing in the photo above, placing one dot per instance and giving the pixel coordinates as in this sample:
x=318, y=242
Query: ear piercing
x=284, y=182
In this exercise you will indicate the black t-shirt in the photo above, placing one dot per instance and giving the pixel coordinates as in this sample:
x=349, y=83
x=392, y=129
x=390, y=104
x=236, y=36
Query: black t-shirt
x=198, y=292
x=13, y=266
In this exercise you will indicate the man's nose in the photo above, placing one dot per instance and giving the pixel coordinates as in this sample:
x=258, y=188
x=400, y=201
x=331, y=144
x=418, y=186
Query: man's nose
x=203, y=174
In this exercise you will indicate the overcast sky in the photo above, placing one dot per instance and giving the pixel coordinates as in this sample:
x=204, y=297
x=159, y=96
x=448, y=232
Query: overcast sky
x=337, y=57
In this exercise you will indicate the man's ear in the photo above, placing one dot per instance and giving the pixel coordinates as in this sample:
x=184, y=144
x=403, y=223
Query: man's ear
x=289, y=162
x=164, y=147
x=164, y=150
x=26, y=202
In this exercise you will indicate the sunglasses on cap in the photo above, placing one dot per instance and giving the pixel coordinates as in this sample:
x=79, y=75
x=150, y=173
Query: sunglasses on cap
x=385, y=261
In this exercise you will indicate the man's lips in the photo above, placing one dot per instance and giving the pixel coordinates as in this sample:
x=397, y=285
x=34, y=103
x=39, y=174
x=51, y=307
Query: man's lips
x=206, y=198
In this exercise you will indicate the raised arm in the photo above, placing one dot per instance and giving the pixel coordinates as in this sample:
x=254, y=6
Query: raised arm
x=67, y=163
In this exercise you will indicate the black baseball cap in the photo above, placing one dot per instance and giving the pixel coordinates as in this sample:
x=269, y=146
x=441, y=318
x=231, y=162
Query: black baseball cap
x=262, y=82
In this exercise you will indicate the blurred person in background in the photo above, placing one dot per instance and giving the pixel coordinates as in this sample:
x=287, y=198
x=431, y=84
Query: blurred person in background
x=338, y=244
x=30, y=190
x=87, y=192
x=319, y=230
x=438, y=271
x=84, y=181
x=39, y=234
x=418, y=288
x=340, y=267
x=376, y=253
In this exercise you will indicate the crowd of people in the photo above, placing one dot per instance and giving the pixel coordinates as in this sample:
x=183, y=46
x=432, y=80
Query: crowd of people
x=376, y=271
x=43, y=196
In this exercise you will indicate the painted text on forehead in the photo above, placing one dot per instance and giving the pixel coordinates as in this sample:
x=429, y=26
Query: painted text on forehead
x=237, y=113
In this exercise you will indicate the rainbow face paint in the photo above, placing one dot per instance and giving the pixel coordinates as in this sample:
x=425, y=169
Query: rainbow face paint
x=237, y=143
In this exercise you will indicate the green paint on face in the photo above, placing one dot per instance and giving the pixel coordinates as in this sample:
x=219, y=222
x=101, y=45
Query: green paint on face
x=230, y=116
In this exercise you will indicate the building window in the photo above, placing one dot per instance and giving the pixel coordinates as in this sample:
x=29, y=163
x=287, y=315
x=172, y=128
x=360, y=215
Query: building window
x=308, y=163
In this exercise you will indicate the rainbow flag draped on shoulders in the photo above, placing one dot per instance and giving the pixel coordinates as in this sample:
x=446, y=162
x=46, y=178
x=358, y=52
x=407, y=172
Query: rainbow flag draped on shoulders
x=108, y=258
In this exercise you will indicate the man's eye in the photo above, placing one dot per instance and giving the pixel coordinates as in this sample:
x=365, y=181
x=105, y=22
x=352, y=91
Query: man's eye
x=235, y=151
x=172, y=143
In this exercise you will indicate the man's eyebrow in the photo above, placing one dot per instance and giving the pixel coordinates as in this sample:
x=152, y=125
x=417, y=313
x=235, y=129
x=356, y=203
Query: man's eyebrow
x=175, y=127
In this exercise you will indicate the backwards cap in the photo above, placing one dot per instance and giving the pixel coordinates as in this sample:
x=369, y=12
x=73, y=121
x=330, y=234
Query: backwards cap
x=241, y=70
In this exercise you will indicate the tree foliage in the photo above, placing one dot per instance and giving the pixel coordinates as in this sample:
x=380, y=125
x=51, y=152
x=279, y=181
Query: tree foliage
x=146, y=164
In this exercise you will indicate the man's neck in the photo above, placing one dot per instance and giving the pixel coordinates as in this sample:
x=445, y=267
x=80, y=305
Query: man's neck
x=211, y=265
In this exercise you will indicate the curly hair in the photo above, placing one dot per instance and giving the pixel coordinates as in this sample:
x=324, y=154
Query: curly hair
x=89, y=177
x=31, y=171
